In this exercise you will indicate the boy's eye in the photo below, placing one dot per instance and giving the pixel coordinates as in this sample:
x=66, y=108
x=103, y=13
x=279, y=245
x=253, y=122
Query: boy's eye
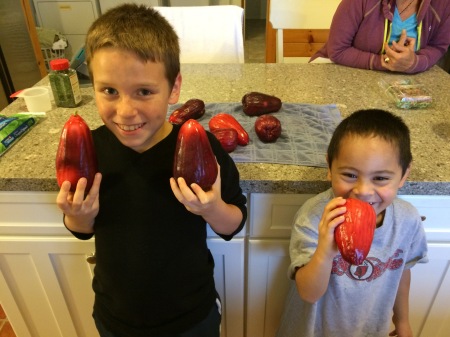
x=144, y=92
x=349, y=175
x=381, y=178
x=110, y=91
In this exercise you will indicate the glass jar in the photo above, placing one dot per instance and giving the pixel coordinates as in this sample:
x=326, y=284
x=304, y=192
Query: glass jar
x=64, y=83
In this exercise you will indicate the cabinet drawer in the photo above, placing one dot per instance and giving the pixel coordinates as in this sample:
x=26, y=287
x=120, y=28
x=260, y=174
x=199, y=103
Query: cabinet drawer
x=30, y=213
x=271, y=215
x=436, y=210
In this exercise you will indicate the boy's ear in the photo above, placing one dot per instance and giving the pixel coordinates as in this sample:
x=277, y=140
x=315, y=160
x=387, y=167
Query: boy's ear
x=176, y=90
x=329, y=169
x=405, y=176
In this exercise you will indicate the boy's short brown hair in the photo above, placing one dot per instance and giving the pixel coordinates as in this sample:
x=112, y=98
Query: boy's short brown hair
x=374, y=123
x=138, y=29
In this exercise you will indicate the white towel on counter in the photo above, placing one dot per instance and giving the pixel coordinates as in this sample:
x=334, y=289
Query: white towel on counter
x=208, y=34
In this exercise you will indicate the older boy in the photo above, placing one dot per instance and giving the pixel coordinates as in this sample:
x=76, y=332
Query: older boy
x=369, y=158
x=154, y=272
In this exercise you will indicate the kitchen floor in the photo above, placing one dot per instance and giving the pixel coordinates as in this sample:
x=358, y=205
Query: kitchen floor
x=5, y=327
x=255, y=41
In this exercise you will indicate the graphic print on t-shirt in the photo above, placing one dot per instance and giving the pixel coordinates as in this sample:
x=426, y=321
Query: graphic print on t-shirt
x=369, y=270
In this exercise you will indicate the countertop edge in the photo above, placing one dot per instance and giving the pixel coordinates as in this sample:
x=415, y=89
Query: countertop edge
x=248, y=186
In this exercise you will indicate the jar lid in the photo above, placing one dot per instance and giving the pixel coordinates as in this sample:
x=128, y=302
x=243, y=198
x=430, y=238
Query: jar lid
x=59, y=64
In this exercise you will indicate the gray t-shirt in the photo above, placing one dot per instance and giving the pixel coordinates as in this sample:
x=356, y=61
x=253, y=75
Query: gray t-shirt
x=359, y=299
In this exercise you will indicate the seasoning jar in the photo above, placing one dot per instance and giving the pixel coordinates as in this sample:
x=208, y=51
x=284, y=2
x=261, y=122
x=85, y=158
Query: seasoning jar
x=64, y=83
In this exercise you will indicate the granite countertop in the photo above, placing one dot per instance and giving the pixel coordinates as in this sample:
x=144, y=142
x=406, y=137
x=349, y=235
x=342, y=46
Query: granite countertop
x=30, y=164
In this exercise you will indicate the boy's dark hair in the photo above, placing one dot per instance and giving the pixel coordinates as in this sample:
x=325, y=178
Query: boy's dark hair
x=374, y=123
x=138, y=29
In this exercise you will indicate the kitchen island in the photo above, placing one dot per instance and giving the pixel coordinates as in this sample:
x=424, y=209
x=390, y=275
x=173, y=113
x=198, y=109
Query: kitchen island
x=29, y=165
x=45, y=280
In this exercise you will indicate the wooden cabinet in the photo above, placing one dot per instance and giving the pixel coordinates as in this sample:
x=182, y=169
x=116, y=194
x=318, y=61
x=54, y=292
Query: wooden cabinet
x=270, y=223
x=430, y=284
x=45, y=281
x=229, y=279
x=267, y=285
x=429, y=294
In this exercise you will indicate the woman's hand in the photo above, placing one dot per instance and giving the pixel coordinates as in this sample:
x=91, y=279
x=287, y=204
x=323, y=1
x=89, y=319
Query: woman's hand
x=401, y=56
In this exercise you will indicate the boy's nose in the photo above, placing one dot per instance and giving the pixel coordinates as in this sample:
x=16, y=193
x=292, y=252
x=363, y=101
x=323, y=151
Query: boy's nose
x=363, y=189
x=125, y=107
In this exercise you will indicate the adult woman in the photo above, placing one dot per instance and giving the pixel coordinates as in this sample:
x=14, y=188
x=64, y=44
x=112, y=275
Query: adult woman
x=407, y=36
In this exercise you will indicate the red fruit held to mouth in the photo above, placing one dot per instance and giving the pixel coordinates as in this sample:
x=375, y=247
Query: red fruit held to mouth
x=355, y=235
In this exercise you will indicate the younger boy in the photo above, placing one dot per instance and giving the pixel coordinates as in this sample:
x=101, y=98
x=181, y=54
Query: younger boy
x=154, y=272
x=369, y=158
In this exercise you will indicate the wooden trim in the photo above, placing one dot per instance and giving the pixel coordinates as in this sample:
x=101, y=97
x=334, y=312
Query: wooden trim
x=34, y=37
x=296, y=42
x=271, y=38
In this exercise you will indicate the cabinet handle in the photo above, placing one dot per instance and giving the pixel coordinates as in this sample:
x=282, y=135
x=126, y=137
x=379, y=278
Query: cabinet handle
x=91, y=258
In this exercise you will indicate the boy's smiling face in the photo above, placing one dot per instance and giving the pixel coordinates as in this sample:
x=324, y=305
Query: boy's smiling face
x=367, y=168
x=132, y=97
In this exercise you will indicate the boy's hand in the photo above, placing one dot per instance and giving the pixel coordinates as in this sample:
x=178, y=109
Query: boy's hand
x=402, y=330
x=312, y=279
x=194, y=198
x=332, y=216
x=80, y=210
x=401, y=55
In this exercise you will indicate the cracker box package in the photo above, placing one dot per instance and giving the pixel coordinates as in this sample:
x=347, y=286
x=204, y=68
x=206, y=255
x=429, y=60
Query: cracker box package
x=13, y=127
x=406, y=93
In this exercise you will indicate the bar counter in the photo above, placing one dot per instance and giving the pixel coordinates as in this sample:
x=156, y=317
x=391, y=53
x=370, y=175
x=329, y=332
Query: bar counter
x=30, y=164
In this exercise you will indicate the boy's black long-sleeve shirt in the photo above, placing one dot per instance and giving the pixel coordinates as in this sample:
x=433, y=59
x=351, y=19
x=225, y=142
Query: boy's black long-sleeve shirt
x=154, y=272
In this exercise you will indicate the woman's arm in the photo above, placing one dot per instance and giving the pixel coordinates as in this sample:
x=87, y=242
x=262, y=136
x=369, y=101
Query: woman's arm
x=356, y=34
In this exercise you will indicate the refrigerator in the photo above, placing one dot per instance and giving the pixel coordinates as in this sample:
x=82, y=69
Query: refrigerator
x=18, y=66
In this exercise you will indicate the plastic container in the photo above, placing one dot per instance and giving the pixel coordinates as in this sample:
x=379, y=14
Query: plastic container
x=37, y=99
x=64, y=83
x=406, y=93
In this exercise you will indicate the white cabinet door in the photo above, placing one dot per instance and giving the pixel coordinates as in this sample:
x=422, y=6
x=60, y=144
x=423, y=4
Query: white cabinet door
x=430, y=293
x=45, y=284
x=271, y=215
x=268, y=284
x=229, y=279
x=436, y=210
